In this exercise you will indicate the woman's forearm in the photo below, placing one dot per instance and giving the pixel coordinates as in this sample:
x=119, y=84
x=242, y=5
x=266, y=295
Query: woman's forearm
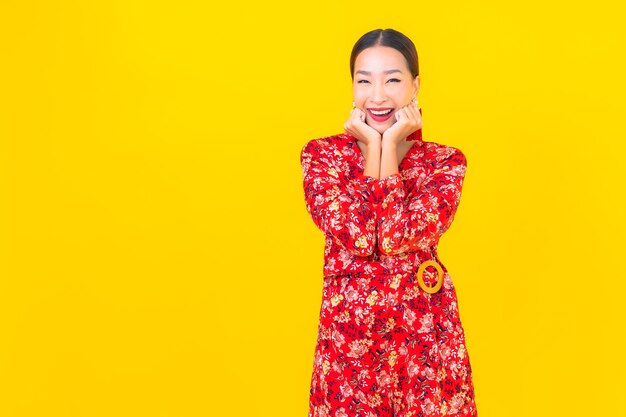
x=388, y=159
x=372, y=160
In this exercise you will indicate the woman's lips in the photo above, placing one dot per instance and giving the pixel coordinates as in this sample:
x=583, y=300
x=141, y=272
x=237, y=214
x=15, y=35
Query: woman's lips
x=380, y=117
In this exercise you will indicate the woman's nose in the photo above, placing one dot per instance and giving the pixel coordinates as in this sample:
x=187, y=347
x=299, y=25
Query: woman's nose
x=379, y=94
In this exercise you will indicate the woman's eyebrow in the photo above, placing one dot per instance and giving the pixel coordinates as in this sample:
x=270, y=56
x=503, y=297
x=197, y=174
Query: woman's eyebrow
x=386, y=72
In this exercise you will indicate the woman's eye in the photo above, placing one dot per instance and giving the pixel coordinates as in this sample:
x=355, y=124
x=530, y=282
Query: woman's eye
x=395, y=80
x=362, y=81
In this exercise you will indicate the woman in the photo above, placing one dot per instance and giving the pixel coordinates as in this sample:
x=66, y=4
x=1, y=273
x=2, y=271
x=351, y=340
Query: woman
x=390, y=340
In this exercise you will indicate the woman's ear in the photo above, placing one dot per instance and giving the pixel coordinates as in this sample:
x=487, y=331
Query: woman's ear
x=416, y=85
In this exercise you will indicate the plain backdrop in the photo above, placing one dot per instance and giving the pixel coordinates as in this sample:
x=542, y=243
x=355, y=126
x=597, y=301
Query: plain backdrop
x=156, y=257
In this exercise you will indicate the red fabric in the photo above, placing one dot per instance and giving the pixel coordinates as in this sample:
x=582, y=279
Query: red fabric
x=385, y=347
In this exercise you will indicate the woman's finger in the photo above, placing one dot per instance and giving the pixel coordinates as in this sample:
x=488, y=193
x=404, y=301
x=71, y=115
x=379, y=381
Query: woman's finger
x=360, y=114
x=351, y=120
x=412, y=110
x=410, y=114
x=398, y=114
x=401, y=114
x=417, y=117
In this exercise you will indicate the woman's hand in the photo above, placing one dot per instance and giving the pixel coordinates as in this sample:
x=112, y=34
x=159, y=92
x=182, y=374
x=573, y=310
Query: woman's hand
x=408, y=120
x=356, y=126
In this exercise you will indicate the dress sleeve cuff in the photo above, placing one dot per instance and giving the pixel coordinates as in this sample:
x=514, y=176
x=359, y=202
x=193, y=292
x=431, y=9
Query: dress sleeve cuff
x=363, y=186
x=386, y=186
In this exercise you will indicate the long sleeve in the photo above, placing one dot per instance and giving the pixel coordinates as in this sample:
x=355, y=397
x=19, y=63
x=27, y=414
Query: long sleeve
x=417, y=220
x=343, y=209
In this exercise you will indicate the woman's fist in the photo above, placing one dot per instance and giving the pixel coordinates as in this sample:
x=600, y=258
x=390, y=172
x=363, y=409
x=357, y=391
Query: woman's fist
x=356, y=126
x=408, y=120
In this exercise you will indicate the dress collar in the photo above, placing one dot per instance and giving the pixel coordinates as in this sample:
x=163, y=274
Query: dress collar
x=415, y=136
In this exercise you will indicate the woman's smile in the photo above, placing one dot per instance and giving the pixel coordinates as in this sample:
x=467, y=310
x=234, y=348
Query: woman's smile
x=380, y=114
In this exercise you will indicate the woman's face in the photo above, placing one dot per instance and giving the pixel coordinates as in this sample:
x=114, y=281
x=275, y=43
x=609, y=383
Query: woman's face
x=382, y=84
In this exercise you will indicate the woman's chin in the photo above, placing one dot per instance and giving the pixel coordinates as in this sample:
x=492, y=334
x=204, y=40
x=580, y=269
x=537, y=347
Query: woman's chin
x=379, y=127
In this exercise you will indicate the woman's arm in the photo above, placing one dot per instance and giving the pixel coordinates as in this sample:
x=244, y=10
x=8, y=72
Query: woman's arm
x=343, y=210
x=372, y=157
x=409, y=223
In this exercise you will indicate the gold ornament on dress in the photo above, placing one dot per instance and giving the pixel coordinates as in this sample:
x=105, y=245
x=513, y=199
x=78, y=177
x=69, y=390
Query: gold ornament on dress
x=420, y=276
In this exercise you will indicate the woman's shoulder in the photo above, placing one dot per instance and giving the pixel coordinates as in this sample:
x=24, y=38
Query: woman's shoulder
x=442, y=153
x=326, y=144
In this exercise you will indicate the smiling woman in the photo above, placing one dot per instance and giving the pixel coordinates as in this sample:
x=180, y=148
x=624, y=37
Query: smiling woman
x=390, y=340
x=384, y=75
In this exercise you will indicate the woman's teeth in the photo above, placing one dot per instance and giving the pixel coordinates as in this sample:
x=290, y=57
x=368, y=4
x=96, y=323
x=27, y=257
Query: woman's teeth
x=380, y=113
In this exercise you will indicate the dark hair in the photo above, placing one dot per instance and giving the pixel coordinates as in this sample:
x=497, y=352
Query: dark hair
x=391, y=38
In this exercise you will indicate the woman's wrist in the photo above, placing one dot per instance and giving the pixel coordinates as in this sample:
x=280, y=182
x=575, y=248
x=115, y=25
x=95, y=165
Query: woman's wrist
x=388, y=159
x=372, y=159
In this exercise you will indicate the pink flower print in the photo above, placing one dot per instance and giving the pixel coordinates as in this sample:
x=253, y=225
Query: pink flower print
x=456, y=403
x=412, y=368
x=427, y=323
x=411, y=292
x=429, y=373
x=332, y=263
x=358, y=348
x=390, y=299
x=317, y=359
x=344, y=256
x=363, y=282
x=359, y=314
x=428, y=407
x=341, y=413
x=360, y=396
x=383, y=379
x=410, y=398
x=454, y=368
x=338, y=338
x=352, y=294
x=448, y=325
x=445, y=351
x=410, y=316
x=321, y=411
x=346, y=389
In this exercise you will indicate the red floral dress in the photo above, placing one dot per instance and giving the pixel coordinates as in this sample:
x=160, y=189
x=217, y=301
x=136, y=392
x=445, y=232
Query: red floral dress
x=385, y=346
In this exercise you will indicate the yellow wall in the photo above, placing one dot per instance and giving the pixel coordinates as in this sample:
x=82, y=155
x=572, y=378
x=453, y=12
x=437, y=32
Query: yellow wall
x=156, y=258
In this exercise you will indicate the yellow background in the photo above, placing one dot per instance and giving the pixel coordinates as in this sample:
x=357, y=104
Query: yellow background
x=156, y=258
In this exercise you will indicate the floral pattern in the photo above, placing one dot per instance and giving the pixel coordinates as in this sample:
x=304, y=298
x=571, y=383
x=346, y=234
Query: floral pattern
x=385, y=347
